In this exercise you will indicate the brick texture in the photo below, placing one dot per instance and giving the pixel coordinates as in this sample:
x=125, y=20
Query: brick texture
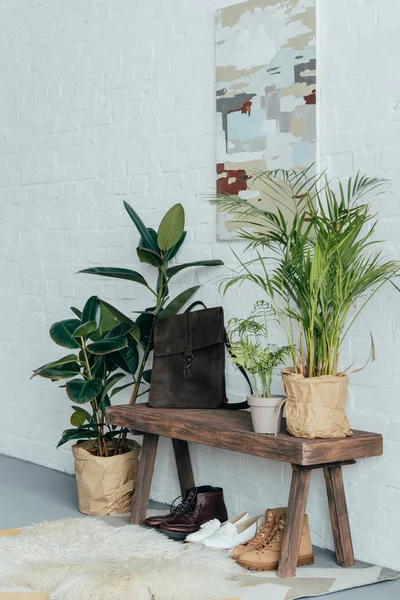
x=110, y=100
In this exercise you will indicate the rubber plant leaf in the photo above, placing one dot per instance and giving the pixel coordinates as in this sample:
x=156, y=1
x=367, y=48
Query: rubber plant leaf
x=171, y=227
x=79, y=416
x=179, y=302
x=104, y=404
x=64, y=371
x=131, y=356
x=76, y=434
x=147, y=375
x=76, y=312
x=107, y=346
x=92, y=311
x=154, y=248
x=117, y=273
x=149, y=257
x=172, y=252
x=141, y=227
x=82, y=391
x=85, y=329
x=199, y=263
x=113, y=380
x=70, y=358
x=119, y=316
x=62, y=333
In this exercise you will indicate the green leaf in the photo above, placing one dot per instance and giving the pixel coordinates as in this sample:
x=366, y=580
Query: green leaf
x=79, y=416
x=141, y=227
x=199, y=263
x=153, y=234
x=92, y=311
x=145, y=322
x=119, y=389
x=99, y=366
x=171, y=227
x=147, y=375
x=76, y=312
x=172, y=252
x=113, y=380
x=119, y=316
x=85, y=329
x=76, y=434
x=109, y=345
x=179, y=302
x=64, y=371
x=81, y=391
x=71, y=358
x=149, y=257
x=131, y=357
x=62, y=333
x=104, y=404
x=117, y=273
x=124, y=329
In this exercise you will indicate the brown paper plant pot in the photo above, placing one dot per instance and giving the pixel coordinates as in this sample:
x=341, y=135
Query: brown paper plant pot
x=105, y=484
x=315, y=406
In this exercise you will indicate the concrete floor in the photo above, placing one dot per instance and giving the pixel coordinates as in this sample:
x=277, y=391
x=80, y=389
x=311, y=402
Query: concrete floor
x=29, y=494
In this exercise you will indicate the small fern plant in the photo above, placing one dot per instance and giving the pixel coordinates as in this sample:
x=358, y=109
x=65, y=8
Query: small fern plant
x=250, y=348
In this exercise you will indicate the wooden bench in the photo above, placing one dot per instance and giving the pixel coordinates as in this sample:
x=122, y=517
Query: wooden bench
x=232, y=430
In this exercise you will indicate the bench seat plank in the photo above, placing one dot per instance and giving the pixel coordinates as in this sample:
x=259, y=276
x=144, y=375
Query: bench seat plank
x=232, y=430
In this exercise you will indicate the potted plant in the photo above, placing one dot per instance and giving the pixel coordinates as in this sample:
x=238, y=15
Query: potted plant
x=319, y=269
x=251, y=350
x=108, y=346
x=105, y=462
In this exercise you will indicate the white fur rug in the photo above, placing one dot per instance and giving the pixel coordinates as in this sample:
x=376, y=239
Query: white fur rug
x=89, y=559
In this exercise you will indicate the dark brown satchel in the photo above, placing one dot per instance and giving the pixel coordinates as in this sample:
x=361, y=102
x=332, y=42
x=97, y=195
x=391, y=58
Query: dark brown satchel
x=189, y=361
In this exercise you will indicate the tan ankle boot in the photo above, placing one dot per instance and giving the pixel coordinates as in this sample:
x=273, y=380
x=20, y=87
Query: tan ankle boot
x=266, y=556
x=263, y=533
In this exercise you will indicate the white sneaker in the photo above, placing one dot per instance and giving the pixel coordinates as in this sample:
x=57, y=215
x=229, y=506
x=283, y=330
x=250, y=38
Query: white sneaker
x=209, y=528
x=231, y=535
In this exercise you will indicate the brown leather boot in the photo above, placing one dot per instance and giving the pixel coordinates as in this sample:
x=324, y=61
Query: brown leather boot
x=263, y=533
x=266, y=556
x=156, y=520
x=205, y=504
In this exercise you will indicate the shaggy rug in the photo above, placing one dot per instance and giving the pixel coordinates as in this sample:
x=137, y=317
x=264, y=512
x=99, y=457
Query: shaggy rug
x=89, y=559
x=324, y=577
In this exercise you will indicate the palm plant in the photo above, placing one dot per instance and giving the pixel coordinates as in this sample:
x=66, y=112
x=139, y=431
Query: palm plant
x=250, y=349
x=320, y=268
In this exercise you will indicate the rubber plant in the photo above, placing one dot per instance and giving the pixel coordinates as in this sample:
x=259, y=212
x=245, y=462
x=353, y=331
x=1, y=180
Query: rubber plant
x=101, y=345
x=158, y=249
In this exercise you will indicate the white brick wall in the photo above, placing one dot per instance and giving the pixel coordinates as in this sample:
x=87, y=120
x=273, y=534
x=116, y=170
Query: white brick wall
x=105, y=100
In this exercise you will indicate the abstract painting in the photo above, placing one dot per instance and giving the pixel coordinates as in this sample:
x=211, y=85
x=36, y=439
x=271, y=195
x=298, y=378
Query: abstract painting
x=266, y=95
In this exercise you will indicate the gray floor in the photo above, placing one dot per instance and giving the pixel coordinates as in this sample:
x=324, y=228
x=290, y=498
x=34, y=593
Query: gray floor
x=29, y=494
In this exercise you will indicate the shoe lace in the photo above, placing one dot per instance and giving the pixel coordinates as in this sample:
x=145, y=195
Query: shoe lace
x=260, y=535
x=275, y=534
x=184, y=506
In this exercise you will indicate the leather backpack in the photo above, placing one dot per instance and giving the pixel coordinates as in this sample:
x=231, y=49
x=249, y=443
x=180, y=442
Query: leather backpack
x=189, y=361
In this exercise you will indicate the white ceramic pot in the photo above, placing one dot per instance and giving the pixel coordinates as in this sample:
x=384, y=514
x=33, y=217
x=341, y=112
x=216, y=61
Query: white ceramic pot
x=264, y=413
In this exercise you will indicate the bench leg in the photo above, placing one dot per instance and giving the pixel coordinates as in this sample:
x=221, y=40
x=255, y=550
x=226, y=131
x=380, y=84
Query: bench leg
x=141, y=495
x=339, y=516
x=294, y=522
x=183, y=465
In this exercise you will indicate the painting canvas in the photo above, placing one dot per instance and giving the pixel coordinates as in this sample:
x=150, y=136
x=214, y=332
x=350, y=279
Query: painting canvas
x=266, y=96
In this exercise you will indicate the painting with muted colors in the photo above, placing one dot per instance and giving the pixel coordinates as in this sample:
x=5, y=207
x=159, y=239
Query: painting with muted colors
x=266, y=95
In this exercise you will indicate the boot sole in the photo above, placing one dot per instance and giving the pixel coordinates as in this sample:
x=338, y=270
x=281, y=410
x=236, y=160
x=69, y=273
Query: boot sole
x=172, y=535
x=304, y=561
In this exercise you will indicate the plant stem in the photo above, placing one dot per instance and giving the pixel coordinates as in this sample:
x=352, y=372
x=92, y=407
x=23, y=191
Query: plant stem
x=100, y=432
